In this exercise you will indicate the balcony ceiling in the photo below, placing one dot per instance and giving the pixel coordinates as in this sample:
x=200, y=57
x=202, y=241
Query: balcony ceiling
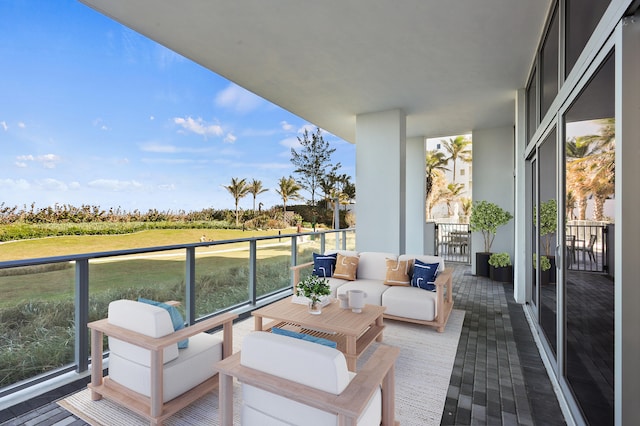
x=452, y=66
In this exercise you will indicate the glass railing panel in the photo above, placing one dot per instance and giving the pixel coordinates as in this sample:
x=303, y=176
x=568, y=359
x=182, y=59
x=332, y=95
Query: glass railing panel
x=36, y=320
x=273, y=266
x=222, y=277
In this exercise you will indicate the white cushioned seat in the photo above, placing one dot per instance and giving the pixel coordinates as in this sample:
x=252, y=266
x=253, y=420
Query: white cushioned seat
x=374, y=289
x=318, y=366
x=184, y=369
x=410, y=302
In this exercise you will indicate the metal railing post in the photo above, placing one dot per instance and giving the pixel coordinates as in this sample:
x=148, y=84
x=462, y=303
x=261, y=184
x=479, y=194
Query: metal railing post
x=253, y=255
x=81, y=315
x=190, y=285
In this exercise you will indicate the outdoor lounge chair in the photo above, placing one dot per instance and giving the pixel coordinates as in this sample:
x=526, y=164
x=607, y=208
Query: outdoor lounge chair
x=147, y=372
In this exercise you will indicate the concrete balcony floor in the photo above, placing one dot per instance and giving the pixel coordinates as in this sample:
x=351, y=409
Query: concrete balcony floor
x=498, y=377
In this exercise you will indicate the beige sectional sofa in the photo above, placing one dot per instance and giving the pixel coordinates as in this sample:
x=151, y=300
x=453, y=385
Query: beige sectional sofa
x=403, y=302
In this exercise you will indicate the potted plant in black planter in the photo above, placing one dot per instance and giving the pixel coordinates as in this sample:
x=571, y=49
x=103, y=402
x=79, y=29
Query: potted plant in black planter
x=545, y=266
x=501, y=268
x=548, y=227
x=486, y=217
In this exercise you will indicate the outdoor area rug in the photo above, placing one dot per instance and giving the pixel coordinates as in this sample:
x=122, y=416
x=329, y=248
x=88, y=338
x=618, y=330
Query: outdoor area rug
x=423, y=371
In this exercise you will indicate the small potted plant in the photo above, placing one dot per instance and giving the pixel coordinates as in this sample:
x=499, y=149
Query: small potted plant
x=548, y=228
x=314, y=288
x=545, y=266
x=486, y=217
x=501, y=268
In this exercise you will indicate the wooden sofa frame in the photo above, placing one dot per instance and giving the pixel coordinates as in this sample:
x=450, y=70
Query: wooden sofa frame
x=152, y=407
x=378, y=371
x=444, y=298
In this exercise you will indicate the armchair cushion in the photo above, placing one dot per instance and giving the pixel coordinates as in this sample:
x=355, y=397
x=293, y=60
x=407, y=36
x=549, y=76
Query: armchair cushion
x=272, y=354
x=142, y=318
x=176, y=318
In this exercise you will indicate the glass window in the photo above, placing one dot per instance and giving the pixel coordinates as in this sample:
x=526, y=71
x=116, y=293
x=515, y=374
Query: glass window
x=582, y=17
x=549, y=66
x=532, y=120
x=589, y=209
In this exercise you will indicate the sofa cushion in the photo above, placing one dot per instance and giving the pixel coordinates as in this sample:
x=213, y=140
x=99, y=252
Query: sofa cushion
x=410, y=302
x=398, y=272
x=372, y=265
x=424, y=275
x=426, y=258
x=176, y=318
x=324, y=265
x=372, y=288
x=303, y=336
x=346, y=267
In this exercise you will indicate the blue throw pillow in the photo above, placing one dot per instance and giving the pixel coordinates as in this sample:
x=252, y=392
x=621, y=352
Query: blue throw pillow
x=424, y=275
x=176, y=318
x=324, y=265
x=302, y=336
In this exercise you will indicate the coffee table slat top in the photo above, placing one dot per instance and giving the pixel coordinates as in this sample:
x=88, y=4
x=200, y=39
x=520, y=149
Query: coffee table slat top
x=332, y=318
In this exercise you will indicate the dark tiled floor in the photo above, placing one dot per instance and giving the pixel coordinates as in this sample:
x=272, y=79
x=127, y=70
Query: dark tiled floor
x=498, y=376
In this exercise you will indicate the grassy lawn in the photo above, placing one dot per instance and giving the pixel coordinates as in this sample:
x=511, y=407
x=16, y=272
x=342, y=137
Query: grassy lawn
x=58, y=246
x=151, y=270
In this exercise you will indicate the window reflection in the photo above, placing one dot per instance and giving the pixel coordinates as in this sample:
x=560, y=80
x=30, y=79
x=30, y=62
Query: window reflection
x=589, y=212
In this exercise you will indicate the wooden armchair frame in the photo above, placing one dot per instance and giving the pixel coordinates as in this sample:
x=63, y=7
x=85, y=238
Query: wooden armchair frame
x=152, y=407
x=378, y=371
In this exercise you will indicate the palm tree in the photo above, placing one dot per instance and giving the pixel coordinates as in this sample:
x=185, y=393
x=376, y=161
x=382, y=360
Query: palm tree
x=458, y=149
x=453, y=193
x=238, y=189
x=288, y=189
x=435, y=165
x=255, y=189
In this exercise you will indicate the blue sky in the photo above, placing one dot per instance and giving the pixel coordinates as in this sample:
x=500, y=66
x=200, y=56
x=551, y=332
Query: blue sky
x=94, y=113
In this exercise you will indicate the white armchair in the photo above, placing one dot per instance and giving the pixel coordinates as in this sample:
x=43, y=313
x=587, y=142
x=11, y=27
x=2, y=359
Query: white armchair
x=147, y=372
x=296, y=382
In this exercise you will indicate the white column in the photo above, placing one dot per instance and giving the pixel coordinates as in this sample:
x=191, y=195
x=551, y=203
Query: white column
x=416, y=216
x=380, y=176
x=522, y=226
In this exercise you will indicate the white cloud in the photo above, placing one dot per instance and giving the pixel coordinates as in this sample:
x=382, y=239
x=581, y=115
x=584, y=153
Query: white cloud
x=230, y=138
x=308, y=127
x=238, y=99
x=198, y=126
x=19, y=184
x=290, y=143
x=167, y=187
x=50, y=184
x=286, y=126
x=4, y=125
x=155, y=147
x=48, y=161
x=166, y=161
x=114, y=184
x=151, y=118
x=22, y=125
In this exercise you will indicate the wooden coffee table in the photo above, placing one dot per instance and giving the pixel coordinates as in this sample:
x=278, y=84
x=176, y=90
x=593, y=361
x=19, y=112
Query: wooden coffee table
x=352, y=332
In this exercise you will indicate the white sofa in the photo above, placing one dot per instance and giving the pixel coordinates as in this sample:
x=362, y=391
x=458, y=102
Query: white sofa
x=316, y=392
x=403, y=303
